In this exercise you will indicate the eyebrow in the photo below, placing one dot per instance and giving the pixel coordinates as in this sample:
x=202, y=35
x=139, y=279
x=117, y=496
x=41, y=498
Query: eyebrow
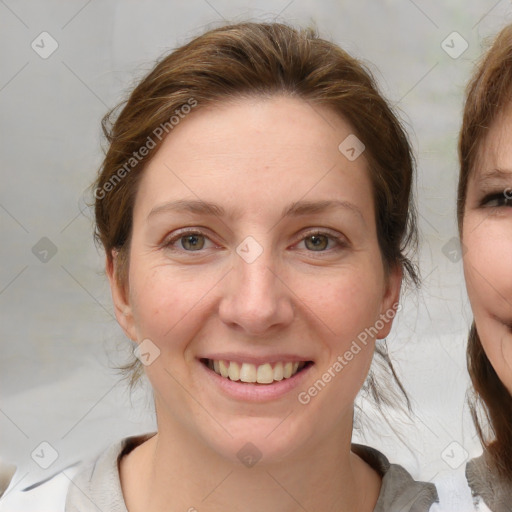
x=295, y=209
x=494, y=175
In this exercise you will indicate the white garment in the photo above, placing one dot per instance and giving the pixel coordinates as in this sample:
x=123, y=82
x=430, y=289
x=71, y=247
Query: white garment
x=47, y=497
x=455, y=494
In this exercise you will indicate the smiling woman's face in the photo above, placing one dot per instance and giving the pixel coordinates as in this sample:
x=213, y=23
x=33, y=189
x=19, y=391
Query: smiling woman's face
x=487, y=237
x=254, y=241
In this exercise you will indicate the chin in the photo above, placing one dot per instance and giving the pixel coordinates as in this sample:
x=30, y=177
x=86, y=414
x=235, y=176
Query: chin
x=262, y=441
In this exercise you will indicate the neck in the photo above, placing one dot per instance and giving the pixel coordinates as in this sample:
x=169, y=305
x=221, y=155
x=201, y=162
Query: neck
x=173, y=472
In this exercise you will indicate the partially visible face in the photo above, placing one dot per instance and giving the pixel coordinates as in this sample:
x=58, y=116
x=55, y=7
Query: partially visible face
x=289, y=273
x=487, y=237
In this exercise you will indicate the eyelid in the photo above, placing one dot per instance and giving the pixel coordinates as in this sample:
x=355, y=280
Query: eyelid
x=340, y=240
x=496, y=195
x=180, y=233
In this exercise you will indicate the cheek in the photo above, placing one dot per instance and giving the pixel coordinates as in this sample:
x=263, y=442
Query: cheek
x=349, y=304
x=172, y=305
x=488, y=268
x=167, y=301
x=346, y=307
x=488, y=274
x=497, y=343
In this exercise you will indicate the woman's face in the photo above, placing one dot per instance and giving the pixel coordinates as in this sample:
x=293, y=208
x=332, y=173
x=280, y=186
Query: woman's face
x=487, y=238
x=254, y=243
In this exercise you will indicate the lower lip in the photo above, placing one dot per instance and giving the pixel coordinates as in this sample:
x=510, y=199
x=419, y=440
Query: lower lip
x=251, y=392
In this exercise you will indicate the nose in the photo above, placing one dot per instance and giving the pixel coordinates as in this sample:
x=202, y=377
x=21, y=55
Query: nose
x=256, y=299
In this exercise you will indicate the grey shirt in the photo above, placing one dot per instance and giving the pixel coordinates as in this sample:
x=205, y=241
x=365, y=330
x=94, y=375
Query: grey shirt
x=97, y=485
x=487, y=485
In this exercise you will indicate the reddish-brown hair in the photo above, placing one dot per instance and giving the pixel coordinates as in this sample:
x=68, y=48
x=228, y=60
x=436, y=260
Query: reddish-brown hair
x=259, y=59
x=488, y=94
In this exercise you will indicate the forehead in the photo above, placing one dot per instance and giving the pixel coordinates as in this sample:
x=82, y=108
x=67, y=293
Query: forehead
x=495, y=149
x=255, y=153
x=244, y=127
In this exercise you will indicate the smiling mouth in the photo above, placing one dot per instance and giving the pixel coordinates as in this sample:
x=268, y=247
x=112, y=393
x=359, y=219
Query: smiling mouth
x=266, y=373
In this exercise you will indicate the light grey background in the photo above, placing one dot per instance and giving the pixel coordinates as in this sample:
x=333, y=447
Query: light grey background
x=59, y=338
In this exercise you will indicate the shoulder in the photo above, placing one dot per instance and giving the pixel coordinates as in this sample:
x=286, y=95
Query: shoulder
x=490, y=490
x=86, y=486
x=399, y=491
x=97, y=484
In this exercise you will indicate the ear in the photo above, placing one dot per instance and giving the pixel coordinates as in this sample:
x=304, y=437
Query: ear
x=120, y=297
x=390, y=301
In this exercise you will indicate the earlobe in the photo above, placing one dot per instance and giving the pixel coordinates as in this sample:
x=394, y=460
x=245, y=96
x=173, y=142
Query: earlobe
x=390, y=302
x=120, y=296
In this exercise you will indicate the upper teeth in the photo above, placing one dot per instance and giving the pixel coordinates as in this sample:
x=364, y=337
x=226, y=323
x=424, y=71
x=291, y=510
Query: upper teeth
x=248, y=372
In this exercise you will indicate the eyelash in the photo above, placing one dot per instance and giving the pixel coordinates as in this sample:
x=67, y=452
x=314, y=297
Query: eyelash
x=498, y=196
x=168, y=244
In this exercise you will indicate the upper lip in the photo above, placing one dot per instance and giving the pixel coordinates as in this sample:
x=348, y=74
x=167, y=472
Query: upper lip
x=256, y=360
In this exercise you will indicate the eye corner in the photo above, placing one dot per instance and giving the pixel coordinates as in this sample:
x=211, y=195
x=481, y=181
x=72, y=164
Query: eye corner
x=496, y=199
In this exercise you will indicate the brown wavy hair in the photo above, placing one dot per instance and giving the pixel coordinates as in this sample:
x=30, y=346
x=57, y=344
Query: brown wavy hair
x=488, y=93
x=259, y=59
